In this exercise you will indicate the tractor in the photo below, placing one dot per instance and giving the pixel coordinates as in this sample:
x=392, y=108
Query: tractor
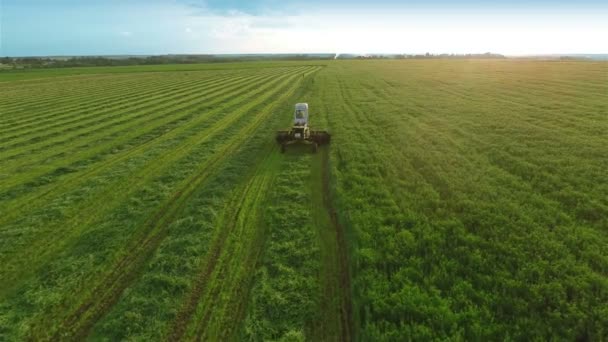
x=300, y=132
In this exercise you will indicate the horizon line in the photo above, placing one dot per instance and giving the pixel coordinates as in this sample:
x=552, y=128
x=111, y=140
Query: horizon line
x=314, y=53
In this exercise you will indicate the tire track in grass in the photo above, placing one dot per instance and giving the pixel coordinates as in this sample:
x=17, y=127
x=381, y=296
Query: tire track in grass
x=216, y=306
x=88, y=214
x=243, y=256
x=232, y=257
x=286, y=292
x=336, y=276
x=116, y=157
x=340, y=251
x=241, y=216
x=78, y=324
x=335, y=305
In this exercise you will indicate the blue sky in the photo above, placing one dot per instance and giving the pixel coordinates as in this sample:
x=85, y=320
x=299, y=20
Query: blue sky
x=108, y=27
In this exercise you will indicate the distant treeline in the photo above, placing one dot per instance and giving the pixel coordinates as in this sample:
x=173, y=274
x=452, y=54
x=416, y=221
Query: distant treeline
x=91, y=61
x=427, y=55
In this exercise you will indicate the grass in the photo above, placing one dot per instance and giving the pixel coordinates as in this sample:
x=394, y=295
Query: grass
x=476, y=195
x=49, y=75
x=458, y=200
x=131, y=182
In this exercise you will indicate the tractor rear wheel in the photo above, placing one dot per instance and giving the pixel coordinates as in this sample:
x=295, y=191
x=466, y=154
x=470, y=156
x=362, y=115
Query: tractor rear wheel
x=320, y=137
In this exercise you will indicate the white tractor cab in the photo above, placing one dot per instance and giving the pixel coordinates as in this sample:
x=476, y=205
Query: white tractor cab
x=301, y=114
x=300, y=120
x=300, y=131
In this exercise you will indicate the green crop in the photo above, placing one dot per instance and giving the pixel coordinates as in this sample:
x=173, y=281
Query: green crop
x=476, y=196
x=458, y=199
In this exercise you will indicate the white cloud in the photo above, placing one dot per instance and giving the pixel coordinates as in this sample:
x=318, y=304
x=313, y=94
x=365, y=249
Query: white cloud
x=388, y=31
x=126, y=33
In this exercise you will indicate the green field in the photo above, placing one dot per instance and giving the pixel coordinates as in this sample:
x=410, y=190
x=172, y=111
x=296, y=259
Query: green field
x=458, y=200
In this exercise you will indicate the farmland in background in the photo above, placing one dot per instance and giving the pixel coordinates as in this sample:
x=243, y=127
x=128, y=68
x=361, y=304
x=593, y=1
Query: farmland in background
x=459, y=199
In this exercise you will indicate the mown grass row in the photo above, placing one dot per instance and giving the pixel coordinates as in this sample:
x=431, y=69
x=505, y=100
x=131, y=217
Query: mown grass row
x=218, y=305
x=466, y=199
x=53, y=111
x=286, y=294
x=297, y=292
x=117, y=136
x=166, y=136
x=183, y=194
x=175, y=269
x=164, y=279
x=59, y=115
x=214, y=309
x=117, y=146
x=45, y=76
x=161, y=80
x=80, y=117
x=119, y=94
x=63, y=91
x=134, y=104
x=152, y=162
x=176, y=172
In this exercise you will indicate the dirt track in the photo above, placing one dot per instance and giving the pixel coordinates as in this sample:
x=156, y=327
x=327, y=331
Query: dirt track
x=346, y=308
